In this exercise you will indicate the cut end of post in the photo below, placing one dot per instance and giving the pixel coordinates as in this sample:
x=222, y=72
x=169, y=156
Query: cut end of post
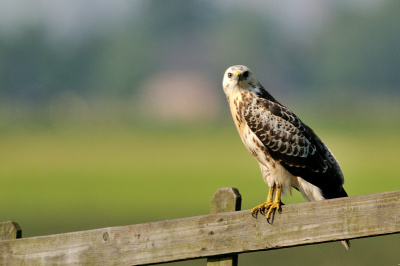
x=10, y=230
x=227, y=199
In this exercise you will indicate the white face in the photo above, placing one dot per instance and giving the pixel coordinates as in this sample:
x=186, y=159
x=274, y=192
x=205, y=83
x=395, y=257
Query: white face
x=238, y=78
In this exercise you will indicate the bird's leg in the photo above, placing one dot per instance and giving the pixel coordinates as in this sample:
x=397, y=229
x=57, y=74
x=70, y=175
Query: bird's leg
x=263, y=208
x=276, y=205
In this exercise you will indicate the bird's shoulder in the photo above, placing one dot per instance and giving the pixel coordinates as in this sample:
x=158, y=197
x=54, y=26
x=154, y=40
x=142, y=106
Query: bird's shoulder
x=278, y=128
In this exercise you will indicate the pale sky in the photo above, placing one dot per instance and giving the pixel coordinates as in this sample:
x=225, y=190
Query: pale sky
x=63, y=18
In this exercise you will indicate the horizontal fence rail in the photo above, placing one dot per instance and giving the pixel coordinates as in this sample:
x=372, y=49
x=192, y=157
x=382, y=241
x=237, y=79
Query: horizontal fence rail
x=220, y=233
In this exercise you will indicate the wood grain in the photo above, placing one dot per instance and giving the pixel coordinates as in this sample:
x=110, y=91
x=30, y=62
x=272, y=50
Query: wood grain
x=226, y=199
x=211, y=235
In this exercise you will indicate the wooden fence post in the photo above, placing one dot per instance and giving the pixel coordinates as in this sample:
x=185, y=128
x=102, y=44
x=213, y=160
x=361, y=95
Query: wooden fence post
x=10, y=230
x=226, y=199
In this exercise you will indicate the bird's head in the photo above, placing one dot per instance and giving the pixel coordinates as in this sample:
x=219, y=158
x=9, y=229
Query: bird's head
x=237, y=78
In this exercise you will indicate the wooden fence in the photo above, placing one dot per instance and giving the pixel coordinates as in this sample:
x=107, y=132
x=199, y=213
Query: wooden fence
x=219, y=236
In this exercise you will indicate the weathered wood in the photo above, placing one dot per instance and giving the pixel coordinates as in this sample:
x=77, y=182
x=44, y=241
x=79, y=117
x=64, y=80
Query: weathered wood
x=226, y=199
x=210, y=235
x=10, y=230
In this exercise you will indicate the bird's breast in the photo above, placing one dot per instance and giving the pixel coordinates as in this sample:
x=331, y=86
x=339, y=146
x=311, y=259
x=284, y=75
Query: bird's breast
x=237, y=104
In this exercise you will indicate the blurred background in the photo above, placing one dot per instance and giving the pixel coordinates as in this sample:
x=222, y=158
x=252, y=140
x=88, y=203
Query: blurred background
x=112, y=112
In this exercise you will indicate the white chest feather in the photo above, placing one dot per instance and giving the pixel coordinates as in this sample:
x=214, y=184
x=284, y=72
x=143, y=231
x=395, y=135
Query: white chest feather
x=273, y=171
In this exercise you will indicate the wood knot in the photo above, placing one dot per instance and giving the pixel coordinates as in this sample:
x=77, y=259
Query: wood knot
x=105, y=236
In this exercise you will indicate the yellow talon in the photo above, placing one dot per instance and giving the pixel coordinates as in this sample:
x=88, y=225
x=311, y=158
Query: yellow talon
x=274, y=206
x=269, y=207
x=262, y=208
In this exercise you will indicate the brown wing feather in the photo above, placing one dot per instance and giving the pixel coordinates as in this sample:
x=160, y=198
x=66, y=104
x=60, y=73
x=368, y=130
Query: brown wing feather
x=291, y=142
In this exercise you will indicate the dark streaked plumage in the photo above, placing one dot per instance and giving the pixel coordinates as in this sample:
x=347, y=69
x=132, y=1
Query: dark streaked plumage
x=292, y=143
x=290, y=154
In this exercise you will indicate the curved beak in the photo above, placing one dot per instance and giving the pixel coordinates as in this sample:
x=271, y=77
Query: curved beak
x=238, y=76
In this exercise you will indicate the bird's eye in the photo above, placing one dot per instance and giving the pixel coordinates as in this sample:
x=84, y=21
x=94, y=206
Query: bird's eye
x=229, y=75
x=246, y=74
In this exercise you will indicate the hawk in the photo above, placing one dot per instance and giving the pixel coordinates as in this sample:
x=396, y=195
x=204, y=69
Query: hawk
x=289, y=153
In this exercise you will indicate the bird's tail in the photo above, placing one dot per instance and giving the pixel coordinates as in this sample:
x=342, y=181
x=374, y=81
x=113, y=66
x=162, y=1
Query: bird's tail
x=346, y=244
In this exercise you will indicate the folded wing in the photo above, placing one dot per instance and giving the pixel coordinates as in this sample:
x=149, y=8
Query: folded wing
x=294, y=145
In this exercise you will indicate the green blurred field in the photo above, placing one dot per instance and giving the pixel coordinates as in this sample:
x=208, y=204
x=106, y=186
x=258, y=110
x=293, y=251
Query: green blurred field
x=62, y=180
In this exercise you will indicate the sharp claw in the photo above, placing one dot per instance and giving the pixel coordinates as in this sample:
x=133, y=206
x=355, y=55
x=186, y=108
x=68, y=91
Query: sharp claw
x=265, y=209
x=269, y=213
x=270, y=218
x=272, y=209
x=269, y=207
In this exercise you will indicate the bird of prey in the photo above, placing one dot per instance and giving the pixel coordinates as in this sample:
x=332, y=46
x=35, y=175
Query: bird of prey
x=289, y=153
